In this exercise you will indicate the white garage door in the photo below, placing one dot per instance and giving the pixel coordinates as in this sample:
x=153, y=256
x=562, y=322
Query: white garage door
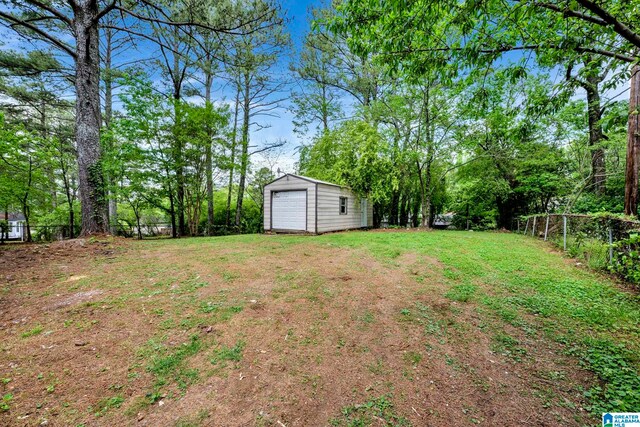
x=289, y=210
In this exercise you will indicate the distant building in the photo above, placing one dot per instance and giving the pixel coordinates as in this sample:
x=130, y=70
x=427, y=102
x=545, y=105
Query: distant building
x=298, y=204
x=16, y=224
x=444, y=220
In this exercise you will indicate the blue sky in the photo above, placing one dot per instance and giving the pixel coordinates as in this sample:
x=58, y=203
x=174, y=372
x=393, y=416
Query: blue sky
x=282, y=127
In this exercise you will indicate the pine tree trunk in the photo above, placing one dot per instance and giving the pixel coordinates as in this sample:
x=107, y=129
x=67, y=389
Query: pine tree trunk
x=633, y=146
x=87, y=84
x=108, y=112
x=233, y=155
x=72, y=220
x=596, y=135
x=49, y=171
x=209, y=158
x=182, y=229
x=178, y=143
x=244, y=158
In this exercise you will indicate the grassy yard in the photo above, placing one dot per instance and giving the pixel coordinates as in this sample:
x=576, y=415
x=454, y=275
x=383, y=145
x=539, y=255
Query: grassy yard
x=347, y=329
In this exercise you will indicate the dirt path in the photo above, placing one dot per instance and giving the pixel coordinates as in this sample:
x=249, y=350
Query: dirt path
x=155, y=335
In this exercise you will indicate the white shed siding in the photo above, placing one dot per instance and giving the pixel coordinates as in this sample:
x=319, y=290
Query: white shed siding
x=288, y=183
x=329, y=218
x=16, y=229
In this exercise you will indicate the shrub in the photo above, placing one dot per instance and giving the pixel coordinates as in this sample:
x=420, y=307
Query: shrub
x=626, y=258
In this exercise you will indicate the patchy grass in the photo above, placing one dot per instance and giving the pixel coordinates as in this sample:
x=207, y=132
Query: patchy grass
x=107, y=404
x=37, y=330
x=377, y=411
x=462, y=293
x=225, y=354
x=420, y=328
x=169, y=364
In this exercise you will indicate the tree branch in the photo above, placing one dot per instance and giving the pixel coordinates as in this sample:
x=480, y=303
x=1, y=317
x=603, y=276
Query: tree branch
x=108, y=8
x=45, y=35
x=169, y=21
x=572, y=13
x=269, y=147
x=59, y=15
x=503, y=49
x=611, y=20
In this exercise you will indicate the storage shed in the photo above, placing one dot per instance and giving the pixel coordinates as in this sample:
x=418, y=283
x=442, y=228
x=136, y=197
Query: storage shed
x=297, y=204
x=15, y=226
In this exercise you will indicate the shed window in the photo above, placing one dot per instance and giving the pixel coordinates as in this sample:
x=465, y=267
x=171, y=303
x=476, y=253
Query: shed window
x=343, y=205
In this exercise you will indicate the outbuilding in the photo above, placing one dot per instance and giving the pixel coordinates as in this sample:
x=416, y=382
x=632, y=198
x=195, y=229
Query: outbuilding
x=15, y=226
x=298, y=204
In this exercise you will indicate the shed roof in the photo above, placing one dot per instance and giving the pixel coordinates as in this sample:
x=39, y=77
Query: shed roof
x=306, y=178
x=14, y=217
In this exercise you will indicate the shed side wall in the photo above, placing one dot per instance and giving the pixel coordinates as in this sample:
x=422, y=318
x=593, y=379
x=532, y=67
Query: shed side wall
x=329, y=218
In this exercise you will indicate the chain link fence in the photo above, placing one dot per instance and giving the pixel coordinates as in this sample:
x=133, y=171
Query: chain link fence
x=603, y=242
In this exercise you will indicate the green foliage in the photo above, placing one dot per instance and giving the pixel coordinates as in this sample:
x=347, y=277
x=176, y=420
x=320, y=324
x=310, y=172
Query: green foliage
x=170, y=136
x=4, y=403
x=613, y=363
x=512, y=165
x=354, y=155
x=626, y=258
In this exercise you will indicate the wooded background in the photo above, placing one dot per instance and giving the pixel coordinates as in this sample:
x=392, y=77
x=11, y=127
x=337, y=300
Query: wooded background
x=483, y=108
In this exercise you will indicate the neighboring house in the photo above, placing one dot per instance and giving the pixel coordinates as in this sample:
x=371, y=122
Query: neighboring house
x=444, y=220
x=294, y=203
x=16, y=226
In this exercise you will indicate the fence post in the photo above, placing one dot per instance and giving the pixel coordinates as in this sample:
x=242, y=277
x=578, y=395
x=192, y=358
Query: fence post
x=610, y=245
x=546, y=228
x=533, y=229
x=518, y=225
x=526, y=227
x=564, y=232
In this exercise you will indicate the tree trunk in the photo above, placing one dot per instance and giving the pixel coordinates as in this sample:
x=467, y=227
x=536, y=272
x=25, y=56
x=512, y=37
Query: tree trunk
x=209, y=157
x=244, y=158
x=403, y=221
x=72, y=221
x=136, y=212
x=393, y=214
x=172, y=214
x=4, y=232
x=415, y=209
x=505, y=212
x=325, y=110
x=182, y=229
x=87, y=84
x=108, y=113
x=26, y=210
x=633, y=146
x=233, y=155
x=596, y=135
x=45, y=134
x=425, y=194
x=176, y=76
